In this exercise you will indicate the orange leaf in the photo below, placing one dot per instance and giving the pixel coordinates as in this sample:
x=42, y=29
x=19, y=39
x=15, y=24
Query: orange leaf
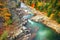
x=32, y=5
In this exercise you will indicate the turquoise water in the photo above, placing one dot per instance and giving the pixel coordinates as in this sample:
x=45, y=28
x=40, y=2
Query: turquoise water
x=44, y=32
x=33, y=24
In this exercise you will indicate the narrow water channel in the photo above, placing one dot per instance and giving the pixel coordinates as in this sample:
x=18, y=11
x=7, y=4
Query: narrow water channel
x=44, y=32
